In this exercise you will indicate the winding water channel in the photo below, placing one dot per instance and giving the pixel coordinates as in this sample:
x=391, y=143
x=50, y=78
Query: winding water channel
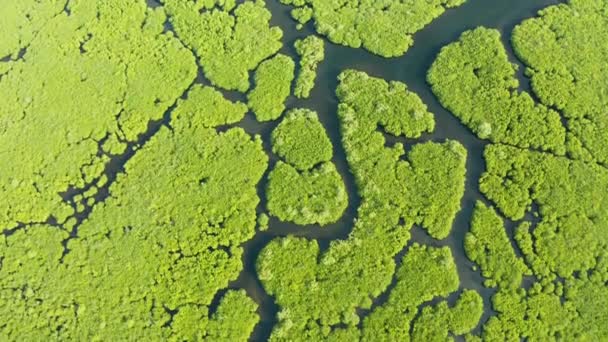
x=411, y=69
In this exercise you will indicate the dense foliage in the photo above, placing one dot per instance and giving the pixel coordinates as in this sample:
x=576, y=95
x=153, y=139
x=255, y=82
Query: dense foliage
x=319, y=293
x=441, y=322
x=572, y=308
x=382, y=27
x=565, y=50
x=69, y=110
x=209, y=107
x=547, y=263
x=488, y=245
x=22, y=21
x=306, y=197
x=148, y=261
x=272, y=87
x=425, y=273
x=307, y=188
x=301, y=141
x=572, y=202
x=312, y=52
x=168, y=238
x=396, y=109
x=129, y=193
x=230, y=40
x=474, y=79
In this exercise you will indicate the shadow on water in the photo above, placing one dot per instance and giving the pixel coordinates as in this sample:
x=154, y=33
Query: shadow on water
x=410, y=69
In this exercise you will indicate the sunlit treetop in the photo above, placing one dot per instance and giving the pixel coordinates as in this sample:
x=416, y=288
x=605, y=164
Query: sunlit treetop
x=565, y=52
x=531, y=304
x=311, y=51
x=474, y=79
x=272, y=85
x=300, y=139
x=390, y=104
x=571, y=200
x=229, y=40
x=167, y=239
x=306, y=188
x=316, y=291
x=87, y=84
x=488, y=245
x=442, y=321
x=425, y=273
x=22, y=21
x=206, y=107
x=316, y=196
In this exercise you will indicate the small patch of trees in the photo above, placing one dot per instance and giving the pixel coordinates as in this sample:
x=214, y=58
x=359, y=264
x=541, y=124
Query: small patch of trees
x=312, y=52
x=306, y=188
x=272, y=87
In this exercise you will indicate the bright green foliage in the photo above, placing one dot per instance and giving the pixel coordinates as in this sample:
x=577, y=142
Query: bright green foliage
x=474, y=79
x=382, y=27
x=487, y=245
x=272, y=86
x=317, y=291
x=302, y=15
x=167, y=238
x=434, y=173
x=566, y=52
x=297, y=190
x=397, y=110
x=301, y=141
x=22, y=21
x=229, y=41
x=589, y=295
x=60, y=104
x=572, y=201
x=304, y=289
x=572, y=309
x=263, y=221
x=306, y=197
x=557, y=289
x=312, y=52
x=235, y=318
x=209, y=107
x=425, y=273
x=435, y=322
x=29, y=267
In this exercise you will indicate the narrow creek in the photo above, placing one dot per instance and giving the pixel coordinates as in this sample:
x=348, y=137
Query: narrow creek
x=411, y=69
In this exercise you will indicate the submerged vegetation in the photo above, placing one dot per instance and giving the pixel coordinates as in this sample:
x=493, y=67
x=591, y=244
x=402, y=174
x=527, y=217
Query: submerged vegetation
x=132, y=184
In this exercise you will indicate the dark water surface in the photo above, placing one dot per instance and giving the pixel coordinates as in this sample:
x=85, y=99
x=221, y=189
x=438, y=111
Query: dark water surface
x=410, y=69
